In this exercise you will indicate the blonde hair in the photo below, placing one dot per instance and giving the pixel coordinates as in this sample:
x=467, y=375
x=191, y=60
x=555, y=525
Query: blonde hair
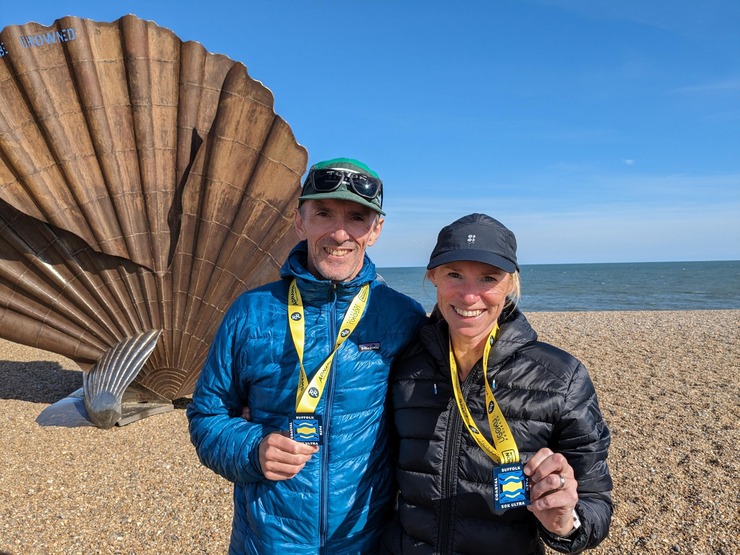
x=515, y=291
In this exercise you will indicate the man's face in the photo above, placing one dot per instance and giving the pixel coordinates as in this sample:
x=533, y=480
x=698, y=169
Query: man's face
x=337, y=232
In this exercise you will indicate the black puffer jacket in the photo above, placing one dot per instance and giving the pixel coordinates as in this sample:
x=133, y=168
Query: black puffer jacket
x=445, y=504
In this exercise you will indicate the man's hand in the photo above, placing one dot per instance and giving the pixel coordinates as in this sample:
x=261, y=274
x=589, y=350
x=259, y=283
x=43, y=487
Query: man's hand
x=281, y=458
x=553, y=492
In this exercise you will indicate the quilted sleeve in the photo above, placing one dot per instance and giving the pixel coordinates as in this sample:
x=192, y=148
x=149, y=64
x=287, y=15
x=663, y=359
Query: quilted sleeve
x=583, y=438
x=224, y=441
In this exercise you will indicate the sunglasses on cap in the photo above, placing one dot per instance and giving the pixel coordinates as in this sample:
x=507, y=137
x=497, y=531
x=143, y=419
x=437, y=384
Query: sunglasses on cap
x=329, y=179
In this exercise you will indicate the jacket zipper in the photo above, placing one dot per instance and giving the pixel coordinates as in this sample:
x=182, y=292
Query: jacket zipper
x=328, y=402
x=453, y=437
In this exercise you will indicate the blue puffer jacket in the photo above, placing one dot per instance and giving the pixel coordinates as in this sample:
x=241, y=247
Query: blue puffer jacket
x=339, y=502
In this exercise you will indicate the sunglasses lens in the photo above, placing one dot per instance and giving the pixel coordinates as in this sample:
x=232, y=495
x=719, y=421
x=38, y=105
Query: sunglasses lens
x=327, y=180
x=365, y=186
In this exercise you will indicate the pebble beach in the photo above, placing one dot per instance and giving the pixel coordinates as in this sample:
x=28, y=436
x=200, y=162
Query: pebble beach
x=668, y=388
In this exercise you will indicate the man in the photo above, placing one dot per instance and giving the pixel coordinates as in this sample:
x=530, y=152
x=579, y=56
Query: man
x=309, y=356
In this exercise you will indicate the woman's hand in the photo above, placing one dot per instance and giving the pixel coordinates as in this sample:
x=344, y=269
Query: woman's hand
x=553, y=492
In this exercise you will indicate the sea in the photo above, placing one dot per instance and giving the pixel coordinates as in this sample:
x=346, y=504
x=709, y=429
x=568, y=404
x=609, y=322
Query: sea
x=606, y=286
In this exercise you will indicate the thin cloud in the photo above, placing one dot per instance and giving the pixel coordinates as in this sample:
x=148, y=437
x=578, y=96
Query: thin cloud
x=614, y=232
x=605, y=218
x=715, y=87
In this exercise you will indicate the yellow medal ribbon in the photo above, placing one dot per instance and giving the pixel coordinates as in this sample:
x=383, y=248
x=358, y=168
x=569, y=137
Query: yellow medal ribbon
x=308, y=394
x=505, y=450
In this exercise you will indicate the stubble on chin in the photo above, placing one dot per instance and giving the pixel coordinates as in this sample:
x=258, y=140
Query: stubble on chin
x=344, y=271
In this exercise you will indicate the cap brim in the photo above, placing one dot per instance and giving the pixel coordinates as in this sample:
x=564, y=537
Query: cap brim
x=472, y=255
x=343, y=194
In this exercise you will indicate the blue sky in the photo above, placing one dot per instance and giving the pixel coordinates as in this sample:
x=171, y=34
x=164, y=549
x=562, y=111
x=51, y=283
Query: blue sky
x=598, y=131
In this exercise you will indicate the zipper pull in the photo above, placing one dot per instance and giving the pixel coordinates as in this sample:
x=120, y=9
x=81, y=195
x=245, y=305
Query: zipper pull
x=435, y=387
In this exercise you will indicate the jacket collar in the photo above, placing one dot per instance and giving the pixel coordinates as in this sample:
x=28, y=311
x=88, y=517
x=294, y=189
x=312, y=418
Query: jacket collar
x=514, y=333
x=314, y=288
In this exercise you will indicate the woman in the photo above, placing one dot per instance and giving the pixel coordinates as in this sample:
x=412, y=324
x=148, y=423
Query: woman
x=461, y=489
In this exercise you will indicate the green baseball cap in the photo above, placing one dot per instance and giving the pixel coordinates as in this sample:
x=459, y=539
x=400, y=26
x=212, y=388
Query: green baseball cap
x=358, y=183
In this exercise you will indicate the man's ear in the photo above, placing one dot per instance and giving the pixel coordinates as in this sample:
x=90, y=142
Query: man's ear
x=375, y=233
x=298, y=223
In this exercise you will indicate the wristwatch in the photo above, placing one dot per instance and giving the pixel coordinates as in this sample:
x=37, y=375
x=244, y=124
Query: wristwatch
x=576, y=526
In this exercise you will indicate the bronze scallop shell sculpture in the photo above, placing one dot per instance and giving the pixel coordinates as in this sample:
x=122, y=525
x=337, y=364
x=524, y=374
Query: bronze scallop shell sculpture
x=144, y=184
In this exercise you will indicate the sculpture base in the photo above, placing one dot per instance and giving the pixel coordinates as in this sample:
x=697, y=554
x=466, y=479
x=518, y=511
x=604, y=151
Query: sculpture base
x=131, y=412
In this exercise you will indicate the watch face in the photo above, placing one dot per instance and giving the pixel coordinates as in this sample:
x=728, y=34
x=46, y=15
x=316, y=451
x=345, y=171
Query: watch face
x=576, y=520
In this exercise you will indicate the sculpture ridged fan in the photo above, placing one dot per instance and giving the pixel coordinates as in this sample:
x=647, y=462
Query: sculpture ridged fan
x=144, y=183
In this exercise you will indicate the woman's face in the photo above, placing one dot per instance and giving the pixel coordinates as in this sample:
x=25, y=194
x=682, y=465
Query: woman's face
x=470, y=296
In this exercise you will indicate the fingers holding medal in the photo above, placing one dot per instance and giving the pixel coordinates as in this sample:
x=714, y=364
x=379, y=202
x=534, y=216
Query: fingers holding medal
x=553, y=491
x=281, y=458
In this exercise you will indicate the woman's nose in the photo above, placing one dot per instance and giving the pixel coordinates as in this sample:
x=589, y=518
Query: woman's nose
x=469, y=295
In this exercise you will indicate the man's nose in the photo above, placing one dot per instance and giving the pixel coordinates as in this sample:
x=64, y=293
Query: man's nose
x=340, y=234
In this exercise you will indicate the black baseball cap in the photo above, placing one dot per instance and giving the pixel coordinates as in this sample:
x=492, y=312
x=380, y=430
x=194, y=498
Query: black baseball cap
x=478, y=238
